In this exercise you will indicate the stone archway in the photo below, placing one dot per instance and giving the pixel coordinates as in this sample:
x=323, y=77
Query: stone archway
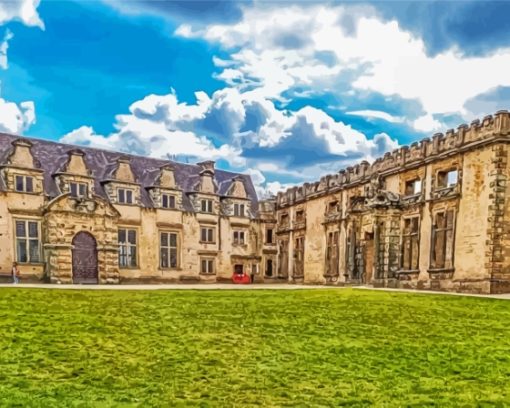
x=84, y=253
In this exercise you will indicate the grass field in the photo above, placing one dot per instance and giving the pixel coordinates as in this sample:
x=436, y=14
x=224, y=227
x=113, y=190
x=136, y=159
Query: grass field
x=306, y=348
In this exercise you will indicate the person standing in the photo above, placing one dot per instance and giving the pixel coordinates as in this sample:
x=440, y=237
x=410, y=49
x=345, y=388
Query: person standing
x=15, y=273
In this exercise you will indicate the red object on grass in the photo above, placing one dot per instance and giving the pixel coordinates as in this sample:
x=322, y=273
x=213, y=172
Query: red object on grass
x=240, y=279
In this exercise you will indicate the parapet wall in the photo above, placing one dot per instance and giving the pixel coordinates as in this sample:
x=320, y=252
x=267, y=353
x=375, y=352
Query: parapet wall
x=418, y=153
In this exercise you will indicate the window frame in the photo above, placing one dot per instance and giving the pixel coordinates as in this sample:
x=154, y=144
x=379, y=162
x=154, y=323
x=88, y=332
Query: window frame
x=411, y=236
x=208, y=208
x=269, y=261
x=78, y=184
x=238, y=241
x=434, y=234
x=171, y=201
x=125, y=200
x=271, y=234
x=24, y=183
x=210, y=235
x=239, y=210
x=444, y=175
x=27, y=240
x=415, y=181
x=128, y=245
x=210, y=266
x=169, y=248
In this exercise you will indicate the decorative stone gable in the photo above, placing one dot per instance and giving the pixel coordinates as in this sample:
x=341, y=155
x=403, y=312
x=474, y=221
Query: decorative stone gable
x=21, y=155
x=76, y=163
x=76, y=171
x=123, y=185
x=123, y=171
x=206, y=184
x=237, y=188
x=166, y=194
x=21, y=168
x=166, y=177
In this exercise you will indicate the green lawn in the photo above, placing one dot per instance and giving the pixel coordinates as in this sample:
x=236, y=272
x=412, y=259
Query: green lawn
x=306, y=348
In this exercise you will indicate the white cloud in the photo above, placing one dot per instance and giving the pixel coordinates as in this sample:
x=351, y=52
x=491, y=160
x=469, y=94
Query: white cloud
x=376, y=115
x=244, y=129
x=16, y=118
x=269, y=53
x=427, y=123
x=4, y=45
x=21, y=10
x=152, y=129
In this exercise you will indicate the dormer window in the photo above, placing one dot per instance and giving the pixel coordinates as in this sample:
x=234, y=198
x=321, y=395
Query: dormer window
x=447, y=179
x=24, y=184
x=413, y=187
x=124, y=196
x=168, y=201
x=78, y=190
x=207, y=206
x=239, y=210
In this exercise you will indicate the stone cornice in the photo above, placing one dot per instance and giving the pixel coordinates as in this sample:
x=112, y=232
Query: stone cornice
x=491, y=130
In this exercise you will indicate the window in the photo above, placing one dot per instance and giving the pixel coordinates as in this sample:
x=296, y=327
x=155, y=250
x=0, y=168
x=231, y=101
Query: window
x=27, y=241
x=447, y=179
x=239, y=238
x=124, y=196
x=269, y=267
x=168, y=250
x=25, y=184
x=207, y=266
x=207, y=206
x=78, y=189
x=284, y=219
x=269, y=236
x=332, y=254
x=239, y=210
x=299, y=249
x=300, y=216
x=167, y=201
x=207, y=235
x=333, y=207
x=413, y=187
x=442, y=240
x=410, y=244
x=127, y=248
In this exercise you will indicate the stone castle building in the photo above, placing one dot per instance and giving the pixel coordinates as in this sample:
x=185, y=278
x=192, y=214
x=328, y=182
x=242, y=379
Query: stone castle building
x=434, y=215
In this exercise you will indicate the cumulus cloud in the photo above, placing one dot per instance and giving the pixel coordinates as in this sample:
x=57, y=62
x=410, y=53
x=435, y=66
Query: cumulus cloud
x=4, y=45
x=16, y=118
x=21, y=10
x=365, y=54
x=374, y=114
x=241, y=128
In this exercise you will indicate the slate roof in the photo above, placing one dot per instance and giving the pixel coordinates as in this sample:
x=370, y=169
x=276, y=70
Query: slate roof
x=52, y=157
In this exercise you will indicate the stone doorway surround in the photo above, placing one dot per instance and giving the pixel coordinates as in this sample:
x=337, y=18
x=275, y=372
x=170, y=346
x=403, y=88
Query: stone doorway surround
x=64, y=218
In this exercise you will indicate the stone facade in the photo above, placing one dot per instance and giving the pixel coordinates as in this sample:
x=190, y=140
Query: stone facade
x=433, y=215
x=71, y=215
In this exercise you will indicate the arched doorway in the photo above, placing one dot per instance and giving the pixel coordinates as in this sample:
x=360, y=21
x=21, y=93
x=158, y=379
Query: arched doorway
x=84, y=258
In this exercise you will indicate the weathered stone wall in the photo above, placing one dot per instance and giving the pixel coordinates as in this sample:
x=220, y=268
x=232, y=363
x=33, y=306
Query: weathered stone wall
x=375, y=203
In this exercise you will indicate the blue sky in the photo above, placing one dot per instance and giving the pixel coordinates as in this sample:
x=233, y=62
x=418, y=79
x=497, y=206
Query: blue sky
x=286, y=91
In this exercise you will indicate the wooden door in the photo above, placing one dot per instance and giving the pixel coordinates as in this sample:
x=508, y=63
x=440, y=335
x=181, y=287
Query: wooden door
x=84, y=258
